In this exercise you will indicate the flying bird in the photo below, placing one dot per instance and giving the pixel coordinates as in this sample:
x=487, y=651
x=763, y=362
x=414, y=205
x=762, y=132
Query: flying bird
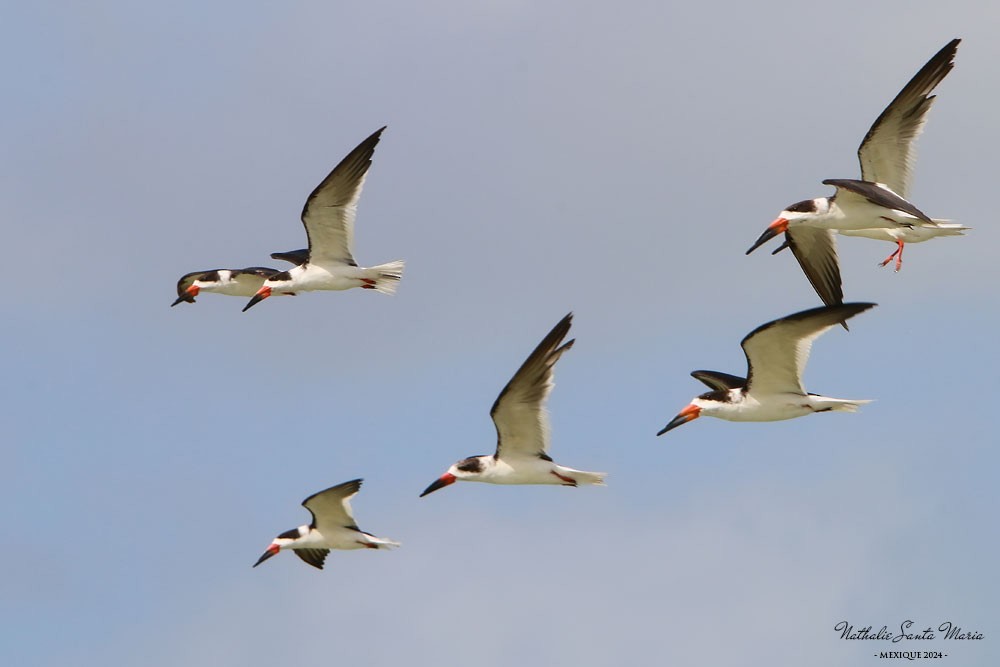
x=332, y=527
x=328, y=216
x=232, y=282
x=776, y=354
x=876, y=202
x=522, y=423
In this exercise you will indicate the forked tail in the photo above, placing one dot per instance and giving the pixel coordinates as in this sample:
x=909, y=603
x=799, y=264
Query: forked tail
x=386, y=277
x=584, y=477
x=949, y=228
x=381, y=543
x=840, y=404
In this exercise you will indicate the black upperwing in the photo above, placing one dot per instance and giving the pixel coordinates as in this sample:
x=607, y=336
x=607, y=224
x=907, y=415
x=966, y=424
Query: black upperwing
x=296, y=257
x=719, y=381
x=879, y=196
x=314, y=557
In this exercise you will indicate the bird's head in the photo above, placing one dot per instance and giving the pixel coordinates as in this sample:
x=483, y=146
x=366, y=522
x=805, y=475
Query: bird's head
x=279, y=283
x=690, y=413
x=709, y=403
x=191, y=284
x=790, y=217
x=465, y=469
x=283, y=541
x=262, y=293
x=187, y=294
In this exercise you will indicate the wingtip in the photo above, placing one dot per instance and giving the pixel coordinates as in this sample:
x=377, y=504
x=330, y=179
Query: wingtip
x=860, y=306
x=852, y=309
x=562, y=327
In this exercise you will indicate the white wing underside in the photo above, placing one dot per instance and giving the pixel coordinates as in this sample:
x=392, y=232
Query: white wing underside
x=331, y=231
x=331, y=509
x=330, y=210
x=887, y=153
x=519, y=413
x=777, y=352
x=523, y=429
x=778, y=357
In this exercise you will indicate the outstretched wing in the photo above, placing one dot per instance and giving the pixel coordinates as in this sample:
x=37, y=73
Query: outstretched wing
x=519, y=412
x=329, y=212
x=314, y=557
x=816, y=251
x=887, y=153
x=331, y=508
x=777, y=352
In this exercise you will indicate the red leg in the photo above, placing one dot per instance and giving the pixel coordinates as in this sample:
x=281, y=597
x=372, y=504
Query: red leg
x=898, y=253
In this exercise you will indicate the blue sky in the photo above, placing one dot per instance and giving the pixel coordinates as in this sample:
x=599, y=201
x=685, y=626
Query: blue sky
x=613, y=161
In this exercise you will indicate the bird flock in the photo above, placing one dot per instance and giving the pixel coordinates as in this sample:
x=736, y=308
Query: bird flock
x=876, y=206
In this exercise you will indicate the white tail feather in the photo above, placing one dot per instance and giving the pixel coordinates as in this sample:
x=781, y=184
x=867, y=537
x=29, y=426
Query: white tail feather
x=386, y=276
x=584, y=477
x=950, y=229
x=843, y=405
x=384, y=543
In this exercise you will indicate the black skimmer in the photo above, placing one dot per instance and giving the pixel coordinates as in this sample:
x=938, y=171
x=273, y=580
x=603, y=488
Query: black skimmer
x=877, y=201
x=328, y=216
x=232, y=282
x=332, y=527
x=522, y=424
x=776, y=353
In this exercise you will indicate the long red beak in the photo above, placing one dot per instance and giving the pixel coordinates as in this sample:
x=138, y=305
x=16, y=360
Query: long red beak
x=441, y=482
x=779, y=226
x=271, y=551
x=261, y=294
x=189, y=294
x=689, y=413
